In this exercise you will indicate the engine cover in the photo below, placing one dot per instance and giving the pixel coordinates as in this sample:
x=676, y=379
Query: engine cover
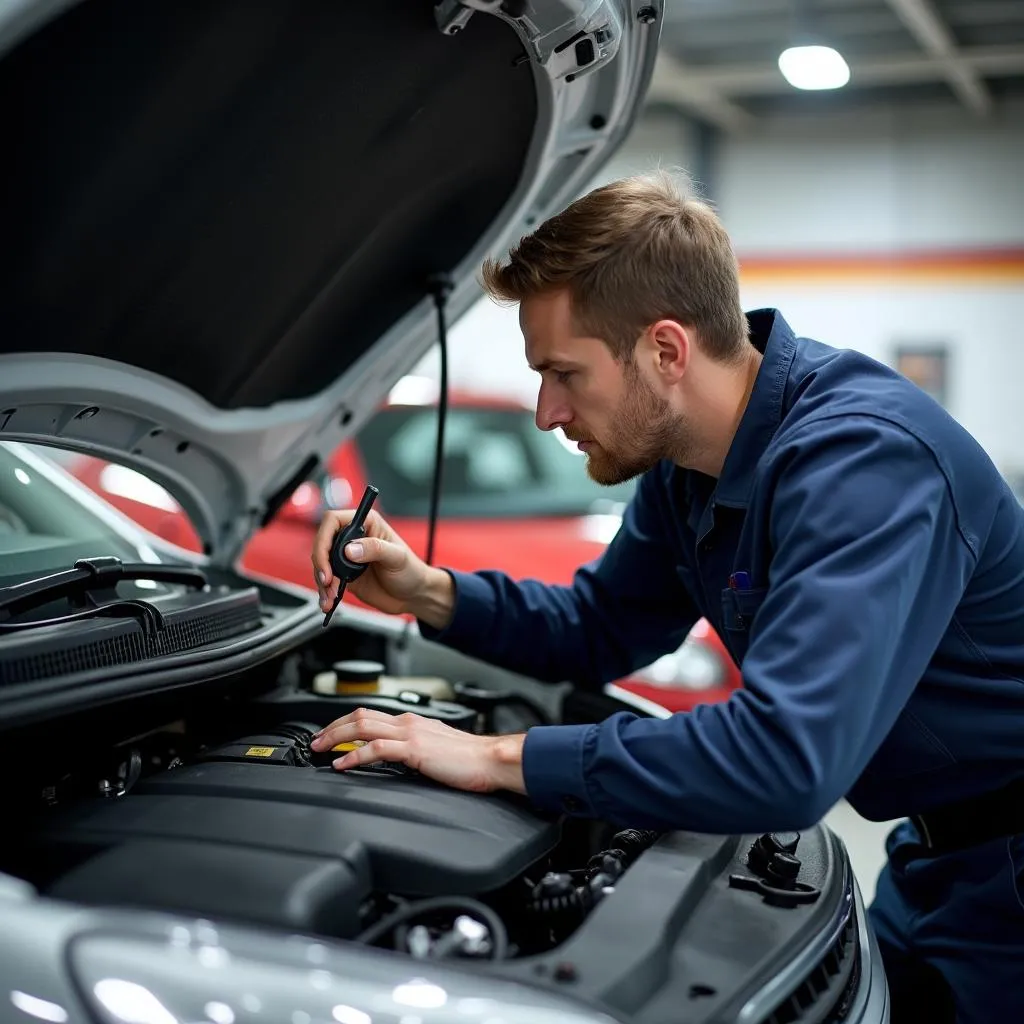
x=288, y=844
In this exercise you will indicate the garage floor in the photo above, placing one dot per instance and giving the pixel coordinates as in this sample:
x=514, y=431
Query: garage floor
x=866, y=842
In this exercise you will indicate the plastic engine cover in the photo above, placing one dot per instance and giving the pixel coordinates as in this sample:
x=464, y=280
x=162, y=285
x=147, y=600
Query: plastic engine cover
x=290, y=846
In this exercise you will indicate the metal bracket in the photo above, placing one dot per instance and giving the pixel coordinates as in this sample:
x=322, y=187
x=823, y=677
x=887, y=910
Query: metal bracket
x=453, y=15
x=586, y=51
x=573, y=39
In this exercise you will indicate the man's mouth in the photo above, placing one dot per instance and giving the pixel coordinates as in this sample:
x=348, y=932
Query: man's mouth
x=582, y=443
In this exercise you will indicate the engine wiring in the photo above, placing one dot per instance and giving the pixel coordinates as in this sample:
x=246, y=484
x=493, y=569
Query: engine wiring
x=409, y=913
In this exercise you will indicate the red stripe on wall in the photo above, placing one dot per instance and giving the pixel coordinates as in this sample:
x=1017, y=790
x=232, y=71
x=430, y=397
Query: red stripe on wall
x=1005, y=265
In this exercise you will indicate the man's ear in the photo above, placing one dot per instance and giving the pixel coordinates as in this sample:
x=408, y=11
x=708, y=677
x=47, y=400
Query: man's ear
x=671, y=346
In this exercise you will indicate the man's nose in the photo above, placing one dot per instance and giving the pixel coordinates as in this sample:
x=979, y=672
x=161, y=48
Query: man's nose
x=552, y=411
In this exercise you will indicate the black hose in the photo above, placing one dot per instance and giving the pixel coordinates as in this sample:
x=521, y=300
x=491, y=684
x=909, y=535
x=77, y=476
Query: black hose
x=633, y=841
x=474, y=908
x=568, y=906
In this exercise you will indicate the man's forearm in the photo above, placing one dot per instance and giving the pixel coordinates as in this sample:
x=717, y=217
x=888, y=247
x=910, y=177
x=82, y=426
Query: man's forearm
x=436, y=604
x=546, y=632
x=506, y=767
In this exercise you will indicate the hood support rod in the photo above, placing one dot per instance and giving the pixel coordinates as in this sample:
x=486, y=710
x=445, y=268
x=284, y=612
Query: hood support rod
x=440, y=287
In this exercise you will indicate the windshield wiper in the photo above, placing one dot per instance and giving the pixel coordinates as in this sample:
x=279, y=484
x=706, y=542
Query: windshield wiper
x=90, y=587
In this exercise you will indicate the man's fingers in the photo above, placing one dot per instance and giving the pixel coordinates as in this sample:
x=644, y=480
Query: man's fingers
x=374, y=550
x=355, y=716
x=375, y=750
x=361, y=725
x=328, y=594
x=331, y=523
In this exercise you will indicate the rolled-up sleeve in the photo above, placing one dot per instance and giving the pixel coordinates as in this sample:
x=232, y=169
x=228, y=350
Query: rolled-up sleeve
x=868, y=567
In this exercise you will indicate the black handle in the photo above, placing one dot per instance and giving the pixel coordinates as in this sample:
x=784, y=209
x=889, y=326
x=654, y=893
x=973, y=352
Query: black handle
x=341, y=567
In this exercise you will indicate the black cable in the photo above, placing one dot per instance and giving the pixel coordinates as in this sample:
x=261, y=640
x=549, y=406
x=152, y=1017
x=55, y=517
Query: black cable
x=633, y=841
x=440, y=286
x=570, y=906
x=472, y=907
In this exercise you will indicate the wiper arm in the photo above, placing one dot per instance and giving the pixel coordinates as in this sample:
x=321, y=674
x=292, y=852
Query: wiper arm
x=147, y=615
x=90, y=586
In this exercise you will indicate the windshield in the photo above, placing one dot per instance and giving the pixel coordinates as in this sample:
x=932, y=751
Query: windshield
x=45, y=528
x=497, y=465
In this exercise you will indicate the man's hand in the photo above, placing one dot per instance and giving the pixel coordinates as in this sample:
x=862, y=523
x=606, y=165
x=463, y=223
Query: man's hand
x=480, y=764
x=395, y=582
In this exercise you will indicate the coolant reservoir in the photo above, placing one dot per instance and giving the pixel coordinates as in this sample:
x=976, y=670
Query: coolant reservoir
x=358, y=676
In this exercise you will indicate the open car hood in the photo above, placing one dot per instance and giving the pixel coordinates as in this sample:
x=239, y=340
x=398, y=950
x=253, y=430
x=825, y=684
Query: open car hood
x=221, y=220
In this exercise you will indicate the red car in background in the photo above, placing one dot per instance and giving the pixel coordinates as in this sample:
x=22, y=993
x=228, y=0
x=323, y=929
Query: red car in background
x=513, y=498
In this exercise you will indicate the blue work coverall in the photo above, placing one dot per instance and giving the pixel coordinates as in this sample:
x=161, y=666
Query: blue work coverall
x=863, y=561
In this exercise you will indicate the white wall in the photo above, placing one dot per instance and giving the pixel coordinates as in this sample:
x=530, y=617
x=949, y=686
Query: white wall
x=986, y=370
x=657, y=140
x=896, y=185
x=851, y=186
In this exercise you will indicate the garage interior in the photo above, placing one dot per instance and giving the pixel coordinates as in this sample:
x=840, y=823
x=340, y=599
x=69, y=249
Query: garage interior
x=883, y=213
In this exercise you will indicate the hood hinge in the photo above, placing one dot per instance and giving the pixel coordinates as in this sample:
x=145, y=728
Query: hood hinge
x=453, y=15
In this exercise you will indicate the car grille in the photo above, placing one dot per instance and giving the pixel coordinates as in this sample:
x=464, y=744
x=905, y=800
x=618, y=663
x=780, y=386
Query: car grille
x=826, y=995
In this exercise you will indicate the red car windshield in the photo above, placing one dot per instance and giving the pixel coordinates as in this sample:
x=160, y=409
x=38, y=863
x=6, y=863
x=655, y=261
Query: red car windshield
x=45, y=528
x=497, y=465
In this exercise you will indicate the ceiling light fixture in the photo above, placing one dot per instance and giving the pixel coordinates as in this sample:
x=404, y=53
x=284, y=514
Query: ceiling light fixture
x=814, y=67
x=809, y=62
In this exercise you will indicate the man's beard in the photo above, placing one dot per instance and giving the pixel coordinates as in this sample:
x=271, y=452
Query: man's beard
x=643, y=431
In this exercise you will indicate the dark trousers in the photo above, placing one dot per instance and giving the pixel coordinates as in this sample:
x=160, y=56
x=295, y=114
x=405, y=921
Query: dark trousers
x=951, y=931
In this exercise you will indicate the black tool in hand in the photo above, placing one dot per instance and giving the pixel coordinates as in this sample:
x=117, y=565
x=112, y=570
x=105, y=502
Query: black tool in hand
x=345, y=571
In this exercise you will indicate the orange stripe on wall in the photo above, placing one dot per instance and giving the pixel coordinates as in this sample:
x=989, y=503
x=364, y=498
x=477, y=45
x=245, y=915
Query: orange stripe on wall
x=978, y=266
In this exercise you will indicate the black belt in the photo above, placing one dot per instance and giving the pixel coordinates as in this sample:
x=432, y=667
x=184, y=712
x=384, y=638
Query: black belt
x=976, y=820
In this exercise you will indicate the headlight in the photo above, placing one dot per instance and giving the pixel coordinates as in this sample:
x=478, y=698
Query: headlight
x=200, y=973
x=692, y=667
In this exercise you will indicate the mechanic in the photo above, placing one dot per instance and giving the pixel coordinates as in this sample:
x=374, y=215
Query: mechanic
x=854, y=546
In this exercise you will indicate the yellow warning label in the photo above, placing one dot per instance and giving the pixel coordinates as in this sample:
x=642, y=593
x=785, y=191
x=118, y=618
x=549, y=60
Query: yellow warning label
x=355, y=744
x=260, y=752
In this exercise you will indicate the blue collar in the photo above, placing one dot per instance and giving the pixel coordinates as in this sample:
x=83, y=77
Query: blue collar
x=772, y=336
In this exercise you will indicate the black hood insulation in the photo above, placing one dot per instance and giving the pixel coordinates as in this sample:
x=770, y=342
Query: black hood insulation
x=243, y=195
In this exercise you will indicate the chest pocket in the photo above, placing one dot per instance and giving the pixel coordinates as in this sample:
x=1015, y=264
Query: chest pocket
x=739, y=608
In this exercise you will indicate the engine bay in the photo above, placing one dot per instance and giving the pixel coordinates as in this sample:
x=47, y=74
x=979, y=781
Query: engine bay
x=252, y=826
x=254, y=831
x=222, y=812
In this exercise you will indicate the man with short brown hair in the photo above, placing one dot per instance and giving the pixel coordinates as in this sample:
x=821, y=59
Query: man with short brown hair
x=630, y=253
x=854, y=547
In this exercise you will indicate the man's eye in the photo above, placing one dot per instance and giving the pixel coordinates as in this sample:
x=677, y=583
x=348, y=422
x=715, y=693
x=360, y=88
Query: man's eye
x=563, y=376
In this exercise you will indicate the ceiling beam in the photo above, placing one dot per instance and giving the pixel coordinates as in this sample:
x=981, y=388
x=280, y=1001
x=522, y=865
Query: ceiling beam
x=926, y=25
x=674, y=83
x=760, y=26
x=898, y=69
